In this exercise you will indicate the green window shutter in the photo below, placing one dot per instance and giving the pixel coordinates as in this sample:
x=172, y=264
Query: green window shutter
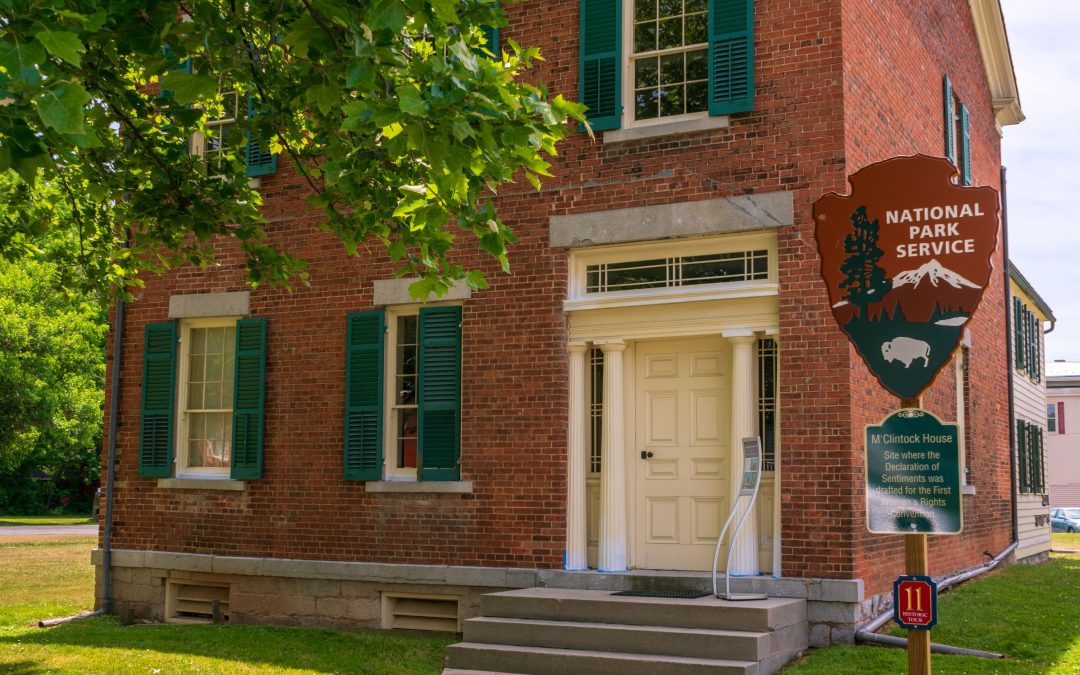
x=1036, y=352
x=600, y=62
x=950, y=119
x=260, y=161
x=158, y=401
x=1040, y=473
x=249, y=396
x=1021, y=454
x=1018, y=333
x=440, y=393
x=965, y=146
x=491, y=35
x=365, y=336
x=731, y=56
x=1028, y=338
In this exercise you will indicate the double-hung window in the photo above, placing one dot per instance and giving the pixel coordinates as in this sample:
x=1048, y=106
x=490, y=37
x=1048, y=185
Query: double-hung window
x=651, y=61
x=403, y=394
x=214, y=146
x=203, y=396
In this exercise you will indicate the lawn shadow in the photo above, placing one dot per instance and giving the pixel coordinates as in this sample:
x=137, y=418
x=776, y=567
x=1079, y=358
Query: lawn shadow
x=315, y=649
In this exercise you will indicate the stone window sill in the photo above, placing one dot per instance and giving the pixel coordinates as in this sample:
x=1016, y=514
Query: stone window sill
x=670, y=129
x=201, y=484
x=462, y=487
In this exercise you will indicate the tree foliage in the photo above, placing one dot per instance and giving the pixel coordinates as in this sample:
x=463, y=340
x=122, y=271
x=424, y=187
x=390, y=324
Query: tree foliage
x=52, y=377
x=399, y=119
x=864, y=279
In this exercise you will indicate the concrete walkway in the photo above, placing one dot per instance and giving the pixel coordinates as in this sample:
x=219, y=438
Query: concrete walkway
x=36, y=530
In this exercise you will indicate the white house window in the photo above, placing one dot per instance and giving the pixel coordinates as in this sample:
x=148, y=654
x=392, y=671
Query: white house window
x=207, y=364
x=669, y=58
x=402, y=376
x=677, y=271
x=1051, y=417
x=214, y=146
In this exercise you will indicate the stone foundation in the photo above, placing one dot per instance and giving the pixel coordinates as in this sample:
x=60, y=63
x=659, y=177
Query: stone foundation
x=330, y=593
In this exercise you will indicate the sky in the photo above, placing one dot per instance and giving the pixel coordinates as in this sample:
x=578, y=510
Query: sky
x=1042, y=156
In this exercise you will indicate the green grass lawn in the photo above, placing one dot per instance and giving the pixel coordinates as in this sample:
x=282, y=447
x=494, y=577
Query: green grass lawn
x=46, y=520
x=52, y=579
x=1030, y=613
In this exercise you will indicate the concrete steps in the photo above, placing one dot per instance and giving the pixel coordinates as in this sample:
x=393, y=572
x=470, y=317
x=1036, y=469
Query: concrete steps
x=550, y=630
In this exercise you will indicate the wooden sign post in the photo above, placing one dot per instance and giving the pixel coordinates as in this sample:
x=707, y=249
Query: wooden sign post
x=917, y=563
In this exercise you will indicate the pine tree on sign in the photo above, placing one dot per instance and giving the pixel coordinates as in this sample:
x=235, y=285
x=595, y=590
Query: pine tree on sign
x=864, y=280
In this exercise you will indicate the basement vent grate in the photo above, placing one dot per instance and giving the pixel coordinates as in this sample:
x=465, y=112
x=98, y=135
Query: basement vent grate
x=687, y=595
x=195, y=603
x=420, y=612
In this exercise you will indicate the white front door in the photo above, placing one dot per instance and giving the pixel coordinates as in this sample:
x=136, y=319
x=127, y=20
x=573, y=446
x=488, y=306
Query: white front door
x=681, y=457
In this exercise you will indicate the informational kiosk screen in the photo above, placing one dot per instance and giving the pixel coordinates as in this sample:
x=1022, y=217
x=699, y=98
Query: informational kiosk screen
x=751, y=465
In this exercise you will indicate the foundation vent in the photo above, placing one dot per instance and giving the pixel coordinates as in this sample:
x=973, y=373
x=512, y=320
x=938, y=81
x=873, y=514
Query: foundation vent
x=195, y=602
x=421, y=612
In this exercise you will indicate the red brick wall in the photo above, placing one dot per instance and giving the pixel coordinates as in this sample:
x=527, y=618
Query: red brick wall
x=895, y=55
x=515, y=381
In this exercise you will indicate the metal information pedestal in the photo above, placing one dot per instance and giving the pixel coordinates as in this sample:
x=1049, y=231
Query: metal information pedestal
x=748, y=487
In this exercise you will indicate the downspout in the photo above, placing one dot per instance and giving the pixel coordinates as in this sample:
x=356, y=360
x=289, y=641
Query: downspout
x=867, y=634
x=110, y=474
x=1009, y=358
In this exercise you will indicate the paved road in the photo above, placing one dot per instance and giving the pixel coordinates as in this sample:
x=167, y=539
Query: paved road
x=14, y=530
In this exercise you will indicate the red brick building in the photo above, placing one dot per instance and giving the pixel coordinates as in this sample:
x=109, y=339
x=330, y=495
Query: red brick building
x=367, y=455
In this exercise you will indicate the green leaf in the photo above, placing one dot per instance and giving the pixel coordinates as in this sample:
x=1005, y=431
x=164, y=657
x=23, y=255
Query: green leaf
x=410, y=102
x=62, y=44
x=187, y=88
x=21, y=60
x=389, y=14
x=324, y=97
x=61, y=107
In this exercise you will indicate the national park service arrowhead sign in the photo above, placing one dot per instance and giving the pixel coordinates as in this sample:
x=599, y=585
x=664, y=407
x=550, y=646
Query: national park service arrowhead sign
x=906, y=258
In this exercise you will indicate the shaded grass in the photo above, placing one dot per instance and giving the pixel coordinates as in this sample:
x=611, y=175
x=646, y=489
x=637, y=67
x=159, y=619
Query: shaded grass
x=46, y=520
x=53, y=579
x=1030, y=613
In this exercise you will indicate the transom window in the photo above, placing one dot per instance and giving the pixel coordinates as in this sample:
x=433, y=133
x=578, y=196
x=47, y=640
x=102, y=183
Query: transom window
x=677, y=271
x=670, y=58
x=207, y=355
x=214, y=146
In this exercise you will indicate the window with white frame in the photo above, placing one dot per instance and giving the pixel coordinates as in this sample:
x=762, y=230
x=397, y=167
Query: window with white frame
x=214, y=146
x=403, y=394
x=207, y=369
x=402, y=375
x=669, y=59
x=1051, y=417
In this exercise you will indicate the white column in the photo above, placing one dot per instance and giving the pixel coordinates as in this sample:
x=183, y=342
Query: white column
x=576, y=523
x=743, y=410
x=613, y=481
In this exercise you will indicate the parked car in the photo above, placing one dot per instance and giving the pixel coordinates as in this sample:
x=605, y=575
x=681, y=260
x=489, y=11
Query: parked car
x=1065, y=520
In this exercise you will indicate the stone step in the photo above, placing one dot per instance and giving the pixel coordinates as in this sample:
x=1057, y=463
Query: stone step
x=549, y=661
x=559, y=604
x=664, y=640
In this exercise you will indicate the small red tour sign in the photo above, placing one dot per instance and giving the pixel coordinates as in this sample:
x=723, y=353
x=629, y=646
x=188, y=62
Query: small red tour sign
x=915, y=602
x=906, y=258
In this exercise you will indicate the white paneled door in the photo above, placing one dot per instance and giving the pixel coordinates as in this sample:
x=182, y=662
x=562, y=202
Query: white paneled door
x=680, y=453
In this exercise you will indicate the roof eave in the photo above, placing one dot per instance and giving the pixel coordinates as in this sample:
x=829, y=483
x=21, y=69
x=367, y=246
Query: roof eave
x=997, y=59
